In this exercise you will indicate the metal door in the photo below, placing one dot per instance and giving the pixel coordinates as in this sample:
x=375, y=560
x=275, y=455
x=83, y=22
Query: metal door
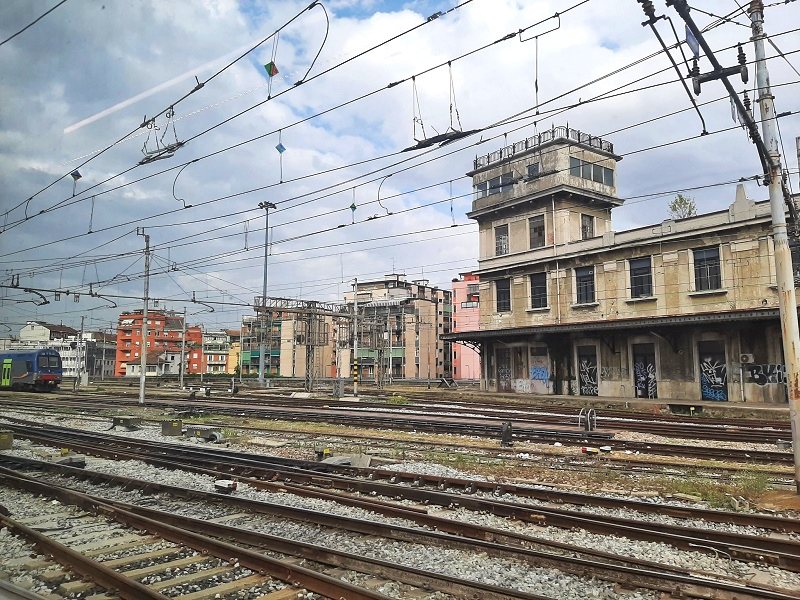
x=503, y=369
x=587, y=371
x=645, y=384
x=713, y=371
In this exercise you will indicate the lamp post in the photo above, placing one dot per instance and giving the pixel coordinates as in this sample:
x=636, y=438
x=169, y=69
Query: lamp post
x=261, y=346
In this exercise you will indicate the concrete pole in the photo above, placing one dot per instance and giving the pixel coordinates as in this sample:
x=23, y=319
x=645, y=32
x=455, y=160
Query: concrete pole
x=78, y=358
x=144, y=316
x=183, y=347
x=355, y=337
x=783, y=258
x=261, y=347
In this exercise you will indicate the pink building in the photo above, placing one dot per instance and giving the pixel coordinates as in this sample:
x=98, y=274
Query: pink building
x=466, y=309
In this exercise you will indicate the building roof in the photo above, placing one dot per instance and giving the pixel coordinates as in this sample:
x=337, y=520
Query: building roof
x=613, y=324
x=61, y=330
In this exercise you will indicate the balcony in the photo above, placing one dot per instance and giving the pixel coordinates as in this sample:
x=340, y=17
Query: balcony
x=556, y=133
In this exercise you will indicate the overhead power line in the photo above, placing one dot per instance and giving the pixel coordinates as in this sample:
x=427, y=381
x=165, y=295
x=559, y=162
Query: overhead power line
x=32, y=23
x=200, y=85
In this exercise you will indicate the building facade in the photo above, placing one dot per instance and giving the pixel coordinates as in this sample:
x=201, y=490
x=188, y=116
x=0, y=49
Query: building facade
x=466, y=317
x=165, y=333
x=91, y=354
x=400, y=324
x=683, y=309
x=216, y=347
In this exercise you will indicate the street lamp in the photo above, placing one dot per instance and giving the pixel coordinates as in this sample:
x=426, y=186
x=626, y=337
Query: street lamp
x=266, y=206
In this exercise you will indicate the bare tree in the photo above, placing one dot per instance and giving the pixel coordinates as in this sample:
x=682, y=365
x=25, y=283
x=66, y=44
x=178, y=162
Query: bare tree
x=682, y=207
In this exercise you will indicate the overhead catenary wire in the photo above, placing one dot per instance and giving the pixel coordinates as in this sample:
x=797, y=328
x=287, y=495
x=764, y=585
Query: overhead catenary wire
x=508, y=120
x=71, y=200
x=170, y=107
x=627, y=127
x=32, y=23
x=213, y=76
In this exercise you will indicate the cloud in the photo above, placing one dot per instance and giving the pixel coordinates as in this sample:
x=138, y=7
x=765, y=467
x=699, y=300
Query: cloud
x=91, y=56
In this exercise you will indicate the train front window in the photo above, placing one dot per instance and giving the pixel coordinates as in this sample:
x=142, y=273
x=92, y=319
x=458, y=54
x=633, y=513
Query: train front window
x=42, y=362
x=55, y=363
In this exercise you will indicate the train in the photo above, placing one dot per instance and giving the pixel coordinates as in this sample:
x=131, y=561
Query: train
x=39, y=370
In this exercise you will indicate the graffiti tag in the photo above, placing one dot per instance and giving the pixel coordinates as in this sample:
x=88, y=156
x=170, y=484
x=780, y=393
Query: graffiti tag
x=588, y=378
x=766, y=374
x=713, y=380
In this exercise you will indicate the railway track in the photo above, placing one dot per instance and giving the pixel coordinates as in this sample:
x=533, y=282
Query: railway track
x=460, y=426
x=627, y=571
x=155, y=560
x=530, y=418
x=302, y=476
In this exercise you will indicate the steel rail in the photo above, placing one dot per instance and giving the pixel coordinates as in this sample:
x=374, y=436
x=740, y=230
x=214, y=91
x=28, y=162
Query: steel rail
x=783, y=553
x=271, y=467
x=647, y=574
x=126, y=588
x=294, y=575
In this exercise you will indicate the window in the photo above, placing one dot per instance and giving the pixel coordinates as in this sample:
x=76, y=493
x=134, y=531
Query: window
x=473, y=289
x=584, y=285
x=591, y=171
x=641, y=278
x=587, y=227
x=707, y=272
x=501, y=240
x=42, y=363
x=495, y=185
x=536, y=227
x=503, y=289
x=539, y=290
x=533, y=171
x=575, y=166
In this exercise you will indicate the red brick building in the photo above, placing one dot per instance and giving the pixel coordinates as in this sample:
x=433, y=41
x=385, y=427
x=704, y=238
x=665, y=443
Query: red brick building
x=164, y=330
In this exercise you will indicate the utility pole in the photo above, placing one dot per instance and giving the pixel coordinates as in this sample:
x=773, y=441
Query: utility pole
x=103, y=360
x=356, y=373
x=783, y=258
x=261, y=347
x=766, y=143
x=78, y=358
x=140, y=231
x=183, y=347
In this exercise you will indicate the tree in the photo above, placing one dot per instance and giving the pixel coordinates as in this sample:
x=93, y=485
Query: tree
x=682, y=207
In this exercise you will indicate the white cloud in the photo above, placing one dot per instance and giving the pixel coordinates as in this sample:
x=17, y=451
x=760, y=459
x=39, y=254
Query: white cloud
x=86, y=58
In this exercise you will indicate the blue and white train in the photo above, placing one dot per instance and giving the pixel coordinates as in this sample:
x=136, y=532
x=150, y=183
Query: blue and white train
x=30, y=369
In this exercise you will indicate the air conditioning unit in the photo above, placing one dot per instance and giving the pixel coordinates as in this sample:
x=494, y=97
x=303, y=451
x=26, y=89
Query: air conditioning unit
x=746, y=359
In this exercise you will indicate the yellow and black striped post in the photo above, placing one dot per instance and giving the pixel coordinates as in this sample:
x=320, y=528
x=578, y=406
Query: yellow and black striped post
x=355, y=372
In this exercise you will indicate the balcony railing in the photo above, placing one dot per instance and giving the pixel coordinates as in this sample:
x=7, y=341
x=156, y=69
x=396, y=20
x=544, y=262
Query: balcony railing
x=545, y=137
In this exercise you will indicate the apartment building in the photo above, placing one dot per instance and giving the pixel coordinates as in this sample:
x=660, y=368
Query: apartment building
x=466, y=317
x=400, y=324
x=683, y=309
x=164, y=334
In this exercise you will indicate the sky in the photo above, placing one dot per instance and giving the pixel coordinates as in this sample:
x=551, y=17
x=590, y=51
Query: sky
x=78, y=85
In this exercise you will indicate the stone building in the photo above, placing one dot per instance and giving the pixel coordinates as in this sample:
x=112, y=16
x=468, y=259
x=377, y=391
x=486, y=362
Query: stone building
x=683, y=309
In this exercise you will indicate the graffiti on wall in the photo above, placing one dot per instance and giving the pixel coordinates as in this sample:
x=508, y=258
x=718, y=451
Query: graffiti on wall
x=613, y=373
x=587, y=371
x=522, y=386
x=713, y=380
x=644, y=379
x=504, y=373
x=540, y=373
x=766, y=374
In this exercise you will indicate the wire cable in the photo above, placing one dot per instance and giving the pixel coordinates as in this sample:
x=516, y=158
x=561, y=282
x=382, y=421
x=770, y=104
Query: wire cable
x=32, y=23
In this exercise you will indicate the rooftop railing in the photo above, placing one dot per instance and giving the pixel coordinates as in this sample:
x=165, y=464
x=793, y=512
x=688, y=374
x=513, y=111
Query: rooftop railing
x=556, y=133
